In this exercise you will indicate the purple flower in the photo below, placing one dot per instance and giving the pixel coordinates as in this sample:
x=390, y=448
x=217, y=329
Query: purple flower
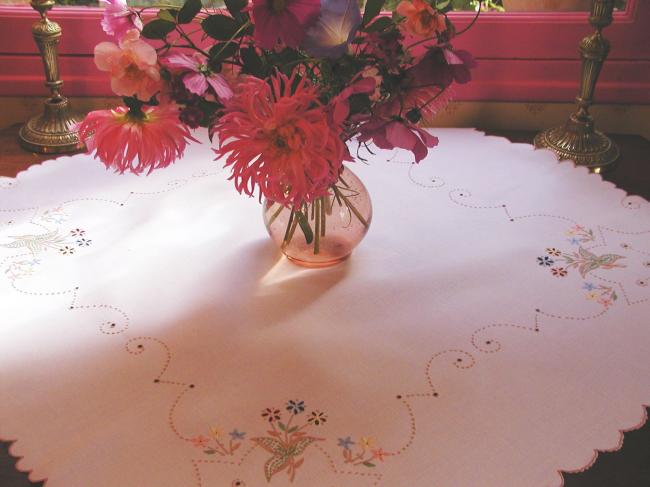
x=118, y=18
x=345, y=443
x=391, y=133
x=334, y=30
x=283, y=20
x=197, y=76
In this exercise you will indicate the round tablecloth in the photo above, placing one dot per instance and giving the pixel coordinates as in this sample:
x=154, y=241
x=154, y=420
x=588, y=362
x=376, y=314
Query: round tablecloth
x=492, y=329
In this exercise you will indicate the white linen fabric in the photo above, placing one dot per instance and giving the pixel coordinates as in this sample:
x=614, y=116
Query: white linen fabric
x=493, y=329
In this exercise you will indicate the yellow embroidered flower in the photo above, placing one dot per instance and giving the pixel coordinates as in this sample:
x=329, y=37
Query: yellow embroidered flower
x=367, y=442
x=592, y=296
x=216, y=432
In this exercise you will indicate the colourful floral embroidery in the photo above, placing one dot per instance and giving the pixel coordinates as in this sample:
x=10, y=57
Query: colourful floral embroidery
x=579, y=235
x=287, y=441
x=55, y=215
x=365, y=453
x=553, y=252
x=603, y=295
x=219, y=443
x=36, y=244
x=559, y=271
x=586, y=261
x=545, y=261
x=21, y=269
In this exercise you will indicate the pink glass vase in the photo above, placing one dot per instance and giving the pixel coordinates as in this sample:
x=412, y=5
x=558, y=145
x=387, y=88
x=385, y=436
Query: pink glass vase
x=325, y=231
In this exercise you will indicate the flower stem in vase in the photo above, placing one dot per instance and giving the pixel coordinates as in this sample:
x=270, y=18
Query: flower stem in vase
x=332, y=225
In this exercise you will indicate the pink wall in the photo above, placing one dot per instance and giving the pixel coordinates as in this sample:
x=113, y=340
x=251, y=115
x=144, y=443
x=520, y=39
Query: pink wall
x=522, y=56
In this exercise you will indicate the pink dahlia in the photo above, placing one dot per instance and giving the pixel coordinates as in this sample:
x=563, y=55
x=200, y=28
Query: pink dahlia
x=197, y=76
x=132, y=65
x=118, y=18
x=135, y=141
x=283, y=20
x=279, y=141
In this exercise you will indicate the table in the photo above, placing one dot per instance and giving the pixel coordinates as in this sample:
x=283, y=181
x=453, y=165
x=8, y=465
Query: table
x=639, y=181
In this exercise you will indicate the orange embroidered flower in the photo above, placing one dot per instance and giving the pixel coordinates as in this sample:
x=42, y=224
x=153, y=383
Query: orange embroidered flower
x=421, y=18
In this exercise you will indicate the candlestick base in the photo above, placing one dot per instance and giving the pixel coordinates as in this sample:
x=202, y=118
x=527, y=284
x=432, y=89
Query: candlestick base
x=53, y=131
x=590, y=148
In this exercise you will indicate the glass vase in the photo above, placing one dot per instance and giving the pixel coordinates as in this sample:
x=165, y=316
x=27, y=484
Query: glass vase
x=323, y=232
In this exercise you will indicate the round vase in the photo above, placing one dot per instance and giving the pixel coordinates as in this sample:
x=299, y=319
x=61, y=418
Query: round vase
x=323, y=232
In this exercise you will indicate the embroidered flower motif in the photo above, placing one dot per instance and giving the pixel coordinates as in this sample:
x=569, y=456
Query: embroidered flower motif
x=586, y=261
x=379, y=454
x=216, y=432
x=588, y=286
x=296, y=407
x=66, y=250
x=559, y=271
x=271, y=415
x=346, y=442
x=237, y=435
x=367, y=442
x=606, y=302
x=317, y=418
x=77, y=232
x=84, y=242
x=286, y=443
x=603, y=295
x=553, y=251
x=545, y=261
x=200, y=441
x=580, y=234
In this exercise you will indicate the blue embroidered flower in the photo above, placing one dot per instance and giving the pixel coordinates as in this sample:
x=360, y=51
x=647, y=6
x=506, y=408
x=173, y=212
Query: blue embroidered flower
x=237, y=435
x=296, y=407
x=346, y=443
x=545, y=261
x=574, y=241
x=588, y=286
x=84, y=242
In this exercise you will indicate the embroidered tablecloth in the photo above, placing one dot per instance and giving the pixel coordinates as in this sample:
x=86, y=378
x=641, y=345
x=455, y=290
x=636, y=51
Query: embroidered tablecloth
x=493, y=329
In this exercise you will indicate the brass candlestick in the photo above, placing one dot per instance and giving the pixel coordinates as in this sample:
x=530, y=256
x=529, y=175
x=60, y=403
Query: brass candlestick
x=53, y=131
x=578, y=140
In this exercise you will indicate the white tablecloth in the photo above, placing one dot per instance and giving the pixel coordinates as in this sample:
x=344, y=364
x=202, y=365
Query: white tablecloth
x=492, y=329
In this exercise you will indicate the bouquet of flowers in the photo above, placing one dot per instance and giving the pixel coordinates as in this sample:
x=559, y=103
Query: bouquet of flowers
x=282, y=86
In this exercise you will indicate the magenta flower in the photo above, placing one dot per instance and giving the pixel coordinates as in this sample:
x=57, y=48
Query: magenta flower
x=197, y=76
x=334, y=30
x=391, y=133
x=283, y=20
x=118, y=18
x=441, y=67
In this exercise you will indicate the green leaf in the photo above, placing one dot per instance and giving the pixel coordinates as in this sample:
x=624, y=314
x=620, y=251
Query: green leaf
x=220, y=27
x=210, y=452
x=252, y=62
x=282, y=426
x=235, y=8
x=189, y=10
x=293, y=429
x=168, y=14
x=158, y=29
x=382, y=23
x=304, y=226
x=221, y=51
x=373, y=8
x=368, y=464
